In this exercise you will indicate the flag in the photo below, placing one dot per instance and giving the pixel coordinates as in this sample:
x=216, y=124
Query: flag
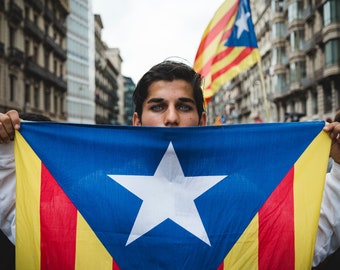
x=120, y=197
x=228, y=46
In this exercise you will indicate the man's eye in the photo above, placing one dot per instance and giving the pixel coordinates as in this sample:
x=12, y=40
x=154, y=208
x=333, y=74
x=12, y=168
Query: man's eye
x=157, y=108
x=184, y=108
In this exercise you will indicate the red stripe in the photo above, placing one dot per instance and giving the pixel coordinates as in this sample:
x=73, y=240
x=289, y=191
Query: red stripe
x=58, y=223
x=221, y=267
x=217, y=29
x=244, y=53
x=276, y=227
x=206, y=69
x=115, y=266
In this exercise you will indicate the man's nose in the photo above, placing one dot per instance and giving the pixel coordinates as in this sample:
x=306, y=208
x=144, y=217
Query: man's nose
x=171, y=117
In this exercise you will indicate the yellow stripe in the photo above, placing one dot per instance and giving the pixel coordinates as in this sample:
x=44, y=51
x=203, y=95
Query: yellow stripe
x=247, y=62
x=244, y=254
x=221, y=11
x=28, y=175
x=90, y=252
x=211, y=50
x=309, y=178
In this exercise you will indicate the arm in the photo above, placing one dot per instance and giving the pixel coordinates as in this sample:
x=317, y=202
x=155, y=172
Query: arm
x=328, y=237
x=7, y=191
x=9, y=122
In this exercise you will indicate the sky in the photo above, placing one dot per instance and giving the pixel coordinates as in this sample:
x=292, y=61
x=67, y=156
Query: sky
x=150, y=31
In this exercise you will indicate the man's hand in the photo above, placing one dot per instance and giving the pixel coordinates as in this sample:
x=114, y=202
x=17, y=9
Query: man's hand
x=9, y=122
x=333, y=129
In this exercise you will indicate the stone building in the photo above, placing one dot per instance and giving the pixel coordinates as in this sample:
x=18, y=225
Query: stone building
x=299, y=41
x=106, y=96
x=33, y=56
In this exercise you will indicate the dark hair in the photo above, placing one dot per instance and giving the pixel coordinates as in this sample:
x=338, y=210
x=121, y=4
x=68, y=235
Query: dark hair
x=169, y=71
x=337, y=116
x=33, y=117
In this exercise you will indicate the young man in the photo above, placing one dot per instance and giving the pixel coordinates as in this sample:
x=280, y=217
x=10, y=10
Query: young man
x=170, y=95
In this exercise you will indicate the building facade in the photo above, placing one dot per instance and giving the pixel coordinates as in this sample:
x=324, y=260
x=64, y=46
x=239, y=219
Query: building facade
x=80, y=63
x=299, y=41
x=33, y=56
x=129, y=107
x=113, y=54
x=106, y=93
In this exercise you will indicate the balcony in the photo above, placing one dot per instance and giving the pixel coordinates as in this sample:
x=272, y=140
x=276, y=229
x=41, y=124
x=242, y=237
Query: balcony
x=318, y=75
x=307, y=82
x=308, y=13
x=50, y=43
x=64, y=5
x=57, y=81
x=60, y=27
x=61, y=53
x=34, y=69
x=48, y=14
x=14, y=14
x=318, y=3
x=15, y=56
x=34, y=30
x=309, y=45
x=318, y=37
x=36, y=4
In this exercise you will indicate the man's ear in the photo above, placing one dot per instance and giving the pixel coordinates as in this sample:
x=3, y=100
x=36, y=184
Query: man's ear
x=136, y=120
x=203, y=120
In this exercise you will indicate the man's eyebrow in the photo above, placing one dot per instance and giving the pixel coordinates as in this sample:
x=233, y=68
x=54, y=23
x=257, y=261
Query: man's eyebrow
x=184, y=99
x=155, y=100
x=159, y=100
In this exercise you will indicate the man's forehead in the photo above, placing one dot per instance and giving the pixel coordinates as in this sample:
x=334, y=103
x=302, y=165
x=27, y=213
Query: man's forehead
x=164, y=89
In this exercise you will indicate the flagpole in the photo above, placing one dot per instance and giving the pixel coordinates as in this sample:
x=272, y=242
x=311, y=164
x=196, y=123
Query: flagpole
x=259, y=64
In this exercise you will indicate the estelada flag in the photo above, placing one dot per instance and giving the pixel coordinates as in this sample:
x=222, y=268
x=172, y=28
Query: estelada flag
x=119, y=197
x=228, y=46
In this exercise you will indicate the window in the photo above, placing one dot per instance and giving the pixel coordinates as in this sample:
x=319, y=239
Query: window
x=280, y=83
x=55, y=67
x=297, y=39
x=295, y=10
x=11, y=36
x=279, y=55
x=332, y=52
x=297, y=71
x=27, y=47
x=47, y=99
x=315, y=102
x=27, y=95
x=55, y=101
x=35, y=53
x=327, y=92
x=279, y=30
x=277, y=5
x=331, y=11
x=47, y=59
x=12, y=81
x=36, y=96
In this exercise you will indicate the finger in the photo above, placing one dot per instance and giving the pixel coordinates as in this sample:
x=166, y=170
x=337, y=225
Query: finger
x=4, y=136
x=15, y=119
x=6, y=126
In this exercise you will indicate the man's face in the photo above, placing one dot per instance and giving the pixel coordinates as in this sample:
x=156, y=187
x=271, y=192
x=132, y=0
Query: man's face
x=170, y=104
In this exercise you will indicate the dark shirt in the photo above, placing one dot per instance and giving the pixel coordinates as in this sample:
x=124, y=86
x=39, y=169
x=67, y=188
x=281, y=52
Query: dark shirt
x=7, y=253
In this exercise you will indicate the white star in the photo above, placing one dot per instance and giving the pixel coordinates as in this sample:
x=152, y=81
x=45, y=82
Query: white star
x=242, y=23
x=168, y=194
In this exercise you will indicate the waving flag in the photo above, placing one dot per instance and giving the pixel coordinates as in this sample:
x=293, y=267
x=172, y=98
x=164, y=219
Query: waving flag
x=109, y=197
x=228, y=46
